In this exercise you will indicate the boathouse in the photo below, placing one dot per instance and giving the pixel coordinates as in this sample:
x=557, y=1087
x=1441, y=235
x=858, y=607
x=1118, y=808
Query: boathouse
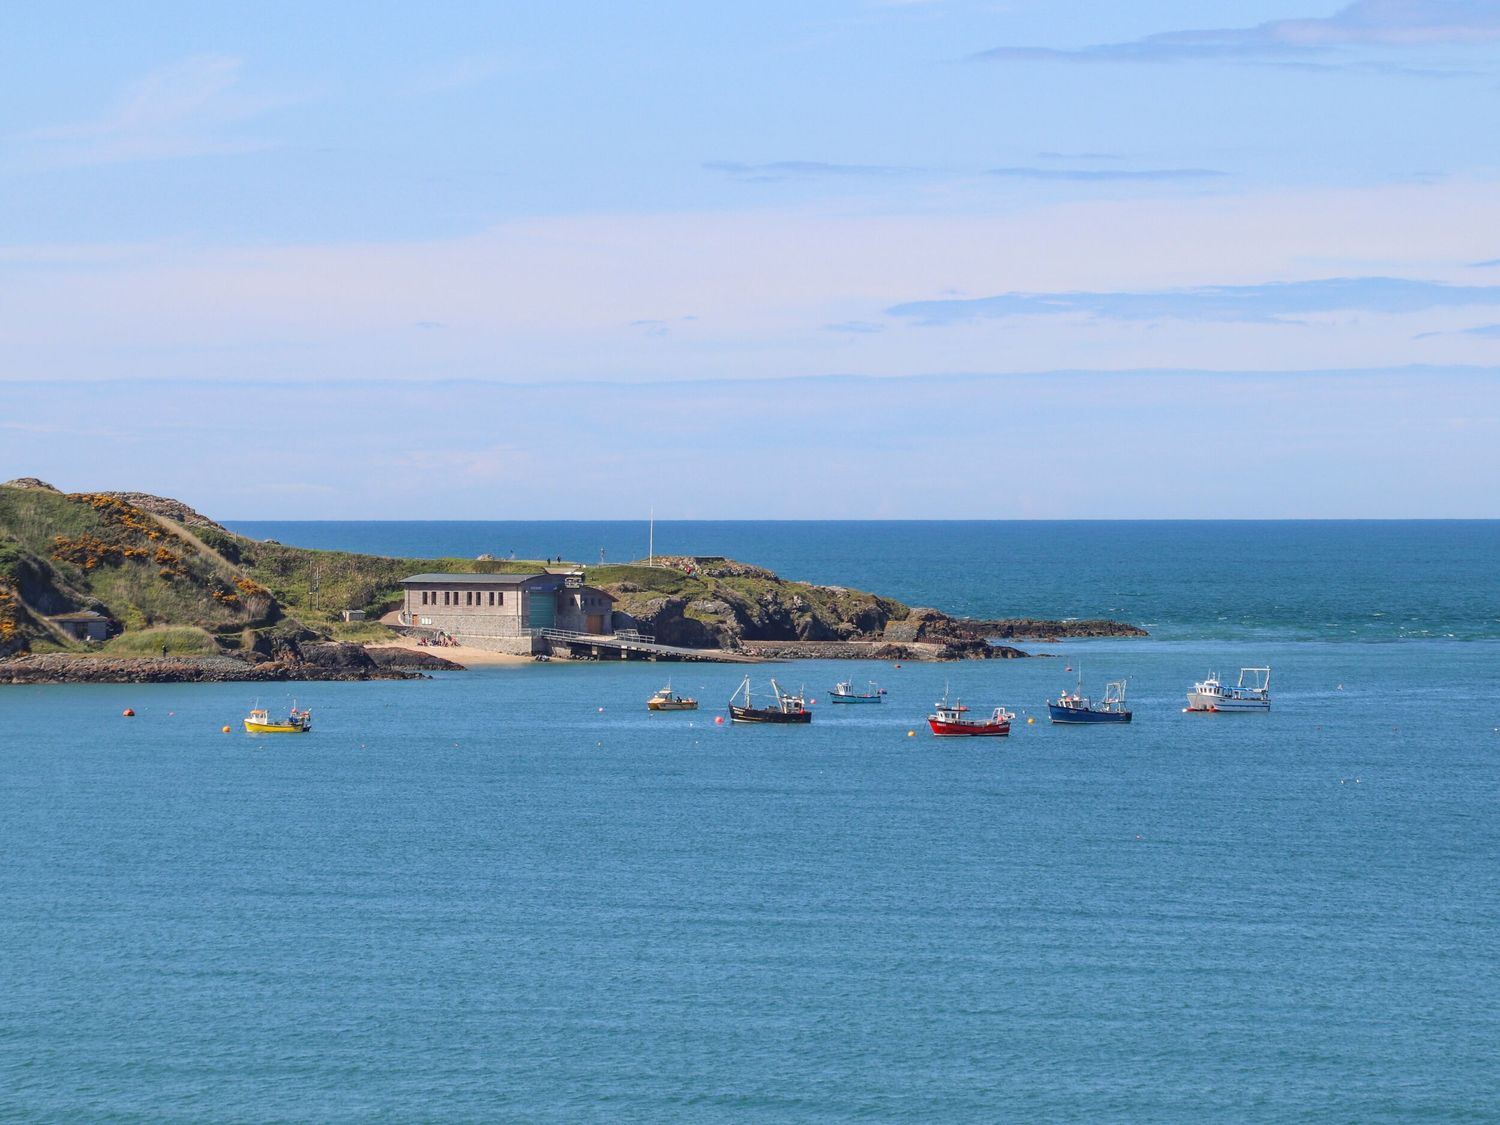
x=505, y=612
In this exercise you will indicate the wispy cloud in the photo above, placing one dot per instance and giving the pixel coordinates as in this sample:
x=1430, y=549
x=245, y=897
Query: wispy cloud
x=1378, y=23
x=1486, y=331
x=1490, y=264
x=779, y=170
x=1100, y=175
x=1268, y=303
x=658, y=326
x=855, y=327
x=181, y=110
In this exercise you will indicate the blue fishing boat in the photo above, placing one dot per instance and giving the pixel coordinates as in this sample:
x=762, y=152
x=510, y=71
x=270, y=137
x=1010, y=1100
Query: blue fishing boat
x=1075, y=707
x=844, y=693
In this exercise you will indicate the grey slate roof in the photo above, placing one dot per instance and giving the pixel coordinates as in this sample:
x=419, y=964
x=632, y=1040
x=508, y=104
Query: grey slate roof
x=470, y=579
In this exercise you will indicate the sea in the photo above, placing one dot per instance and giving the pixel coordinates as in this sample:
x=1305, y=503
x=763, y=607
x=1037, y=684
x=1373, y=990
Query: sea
x=513, y=894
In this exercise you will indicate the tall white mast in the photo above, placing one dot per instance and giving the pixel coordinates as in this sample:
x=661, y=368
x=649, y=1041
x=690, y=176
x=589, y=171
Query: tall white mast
x=651, y=540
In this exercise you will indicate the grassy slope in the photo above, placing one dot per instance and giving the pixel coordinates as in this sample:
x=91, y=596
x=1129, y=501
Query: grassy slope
x=61, y=553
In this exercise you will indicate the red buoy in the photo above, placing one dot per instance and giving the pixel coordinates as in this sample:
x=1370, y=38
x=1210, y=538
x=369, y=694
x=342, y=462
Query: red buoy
x=128, y=713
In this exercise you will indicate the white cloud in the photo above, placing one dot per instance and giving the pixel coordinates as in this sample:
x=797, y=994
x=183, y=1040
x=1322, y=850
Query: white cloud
x=565, y=297
x=1364, y=23
x=187, y=109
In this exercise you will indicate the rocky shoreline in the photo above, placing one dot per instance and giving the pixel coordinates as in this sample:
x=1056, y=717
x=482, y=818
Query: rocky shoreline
x=319, y=662
x=879, y=650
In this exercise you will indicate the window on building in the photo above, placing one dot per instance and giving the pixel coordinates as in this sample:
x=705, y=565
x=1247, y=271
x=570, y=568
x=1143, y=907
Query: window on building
x=502, y=597
x=492, y=597
x=445, y=597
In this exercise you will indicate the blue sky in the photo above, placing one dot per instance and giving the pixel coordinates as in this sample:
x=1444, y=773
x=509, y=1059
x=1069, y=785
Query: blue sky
x=980, y=258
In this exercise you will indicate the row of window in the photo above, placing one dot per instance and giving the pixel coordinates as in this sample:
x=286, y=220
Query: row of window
x=471, y=597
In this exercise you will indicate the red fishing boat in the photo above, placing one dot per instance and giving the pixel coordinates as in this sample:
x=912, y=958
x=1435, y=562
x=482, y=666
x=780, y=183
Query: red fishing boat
x=953, y=718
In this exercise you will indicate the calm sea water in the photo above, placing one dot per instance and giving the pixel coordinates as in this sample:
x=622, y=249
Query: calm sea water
x=514, y=894
x=1313, y=580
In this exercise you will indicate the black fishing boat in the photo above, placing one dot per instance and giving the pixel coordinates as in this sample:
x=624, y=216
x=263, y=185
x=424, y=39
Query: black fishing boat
x=789, y=708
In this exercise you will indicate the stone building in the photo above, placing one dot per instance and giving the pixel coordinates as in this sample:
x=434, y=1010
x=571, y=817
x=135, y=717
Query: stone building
x=505, y=612
x=86, y=625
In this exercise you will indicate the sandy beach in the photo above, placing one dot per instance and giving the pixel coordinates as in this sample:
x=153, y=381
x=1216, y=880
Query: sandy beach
x=460, y=654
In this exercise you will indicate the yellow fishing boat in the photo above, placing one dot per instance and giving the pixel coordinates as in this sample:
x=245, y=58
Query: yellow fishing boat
x=668, y=700
x=259, y=721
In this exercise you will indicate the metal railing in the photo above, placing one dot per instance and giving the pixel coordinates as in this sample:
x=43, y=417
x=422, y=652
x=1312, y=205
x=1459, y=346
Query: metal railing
x=627, y=635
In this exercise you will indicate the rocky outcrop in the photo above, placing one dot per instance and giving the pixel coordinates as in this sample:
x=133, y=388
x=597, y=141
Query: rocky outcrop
x=1034, y=629
x=397, y=657
x=670, y=621
x=934, y=625
x=878, y=650
x=32, y=483
x=165, y=506
x=69, y=668
x=710, y=602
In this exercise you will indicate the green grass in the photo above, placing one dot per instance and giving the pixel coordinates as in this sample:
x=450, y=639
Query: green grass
x=361, y=631
x=181, y=640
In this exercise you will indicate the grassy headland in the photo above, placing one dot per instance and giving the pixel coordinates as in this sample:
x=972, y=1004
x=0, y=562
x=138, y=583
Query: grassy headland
x=164, y=574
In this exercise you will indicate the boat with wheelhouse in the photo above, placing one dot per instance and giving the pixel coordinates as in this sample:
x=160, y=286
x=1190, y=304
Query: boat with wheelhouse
x=953, y=719
x=1211, y=695
x=789, y=707
x=845, y=692
x=668, y=700
x=1076, y=708
x=259, y=721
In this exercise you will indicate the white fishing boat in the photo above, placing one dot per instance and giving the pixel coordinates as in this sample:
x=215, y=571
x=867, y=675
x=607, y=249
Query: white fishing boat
x=1254, y=695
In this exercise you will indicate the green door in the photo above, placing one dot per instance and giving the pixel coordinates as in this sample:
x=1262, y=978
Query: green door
x=541, y=609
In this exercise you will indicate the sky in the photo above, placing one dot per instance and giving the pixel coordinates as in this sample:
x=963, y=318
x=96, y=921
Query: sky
x=837, y=259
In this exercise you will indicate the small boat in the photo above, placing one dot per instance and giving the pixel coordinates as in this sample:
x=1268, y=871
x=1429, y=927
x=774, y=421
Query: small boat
x=953, y=718
x=259, y=721
x=789, y=708
x=845, y=693
x=668, y=700
x=1078, y=708
x=1211, y=695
